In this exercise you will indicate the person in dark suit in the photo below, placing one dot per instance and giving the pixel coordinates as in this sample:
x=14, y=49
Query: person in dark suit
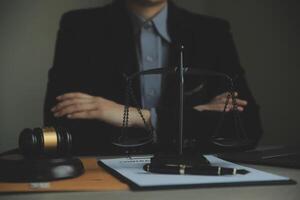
x=96, y=47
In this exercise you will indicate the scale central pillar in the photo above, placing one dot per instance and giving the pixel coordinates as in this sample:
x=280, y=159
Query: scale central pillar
x=180, y=158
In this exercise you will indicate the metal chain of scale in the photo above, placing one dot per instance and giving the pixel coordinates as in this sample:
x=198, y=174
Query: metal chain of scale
x=129, y=95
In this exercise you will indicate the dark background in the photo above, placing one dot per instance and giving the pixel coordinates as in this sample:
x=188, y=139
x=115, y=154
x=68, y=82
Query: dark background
x=266, y=34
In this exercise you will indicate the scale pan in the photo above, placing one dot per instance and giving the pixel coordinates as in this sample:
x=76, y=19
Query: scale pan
x=132, y=142
x=229, y=143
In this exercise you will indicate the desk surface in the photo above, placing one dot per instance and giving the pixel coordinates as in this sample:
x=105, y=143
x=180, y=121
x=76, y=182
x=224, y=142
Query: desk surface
x=280, y=192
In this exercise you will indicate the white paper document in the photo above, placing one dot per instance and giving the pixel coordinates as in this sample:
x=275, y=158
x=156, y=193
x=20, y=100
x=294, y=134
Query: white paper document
x=132, y=170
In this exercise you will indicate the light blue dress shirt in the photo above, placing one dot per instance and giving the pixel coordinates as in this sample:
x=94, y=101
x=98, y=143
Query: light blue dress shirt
x=152, y=45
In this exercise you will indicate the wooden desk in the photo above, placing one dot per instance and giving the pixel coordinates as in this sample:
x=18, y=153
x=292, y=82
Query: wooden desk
x=279, y=192
x=94, y=179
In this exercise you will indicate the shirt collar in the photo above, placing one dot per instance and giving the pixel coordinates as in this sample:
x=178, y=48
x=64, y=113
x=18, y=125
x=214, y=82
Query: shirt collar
x=159, y=21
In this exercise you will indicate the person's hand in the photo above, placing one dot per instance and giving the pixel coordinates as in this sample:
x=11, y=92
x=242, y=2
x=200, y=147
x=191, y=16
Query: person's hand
x=218, y=104
x=84, y=106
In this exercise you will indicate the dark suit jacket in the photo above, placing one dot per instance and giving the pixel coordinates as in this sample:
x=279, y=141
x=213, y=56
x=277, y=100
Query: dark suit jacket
x=96, y=46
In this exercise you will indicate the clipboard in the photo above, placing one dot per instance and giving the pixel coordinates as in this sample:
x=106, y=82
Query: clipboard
x=130, y=170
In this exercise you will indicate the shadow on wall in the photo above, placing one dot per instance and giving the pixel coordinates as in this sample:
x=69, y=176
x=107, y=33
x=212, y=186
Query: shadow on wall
x=267, y=36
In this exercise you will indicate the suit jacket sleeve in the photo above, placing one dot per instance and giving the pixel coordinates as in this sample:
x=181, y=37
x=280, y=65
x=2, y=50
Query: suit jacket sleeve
x=60, y=78
x=70, y=73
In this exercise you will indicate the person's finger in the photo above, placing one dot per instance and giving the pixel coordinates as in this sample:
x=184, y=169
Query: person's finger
x=216, y=107
x=220, y=108
x=72, y=95
x=240, y=108
x=61, y=105
x=219, y=105
x=225, y=95
x=229, y=107
x=239, y=102
x=90, y=114
x=75, y=108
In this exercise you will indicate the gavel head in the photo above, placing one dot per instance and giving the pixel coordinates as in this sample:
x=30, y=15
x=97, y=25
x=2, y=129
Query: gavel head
x=47, y=141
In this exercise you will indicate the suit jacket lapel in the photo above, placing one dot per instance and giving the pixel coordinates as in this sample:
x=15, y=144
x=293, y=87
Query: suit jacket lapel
x=126, y=61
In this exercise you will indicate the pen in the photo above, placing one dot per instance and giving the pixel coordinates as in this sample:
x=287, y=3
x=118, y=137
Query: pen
x=199, y=170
